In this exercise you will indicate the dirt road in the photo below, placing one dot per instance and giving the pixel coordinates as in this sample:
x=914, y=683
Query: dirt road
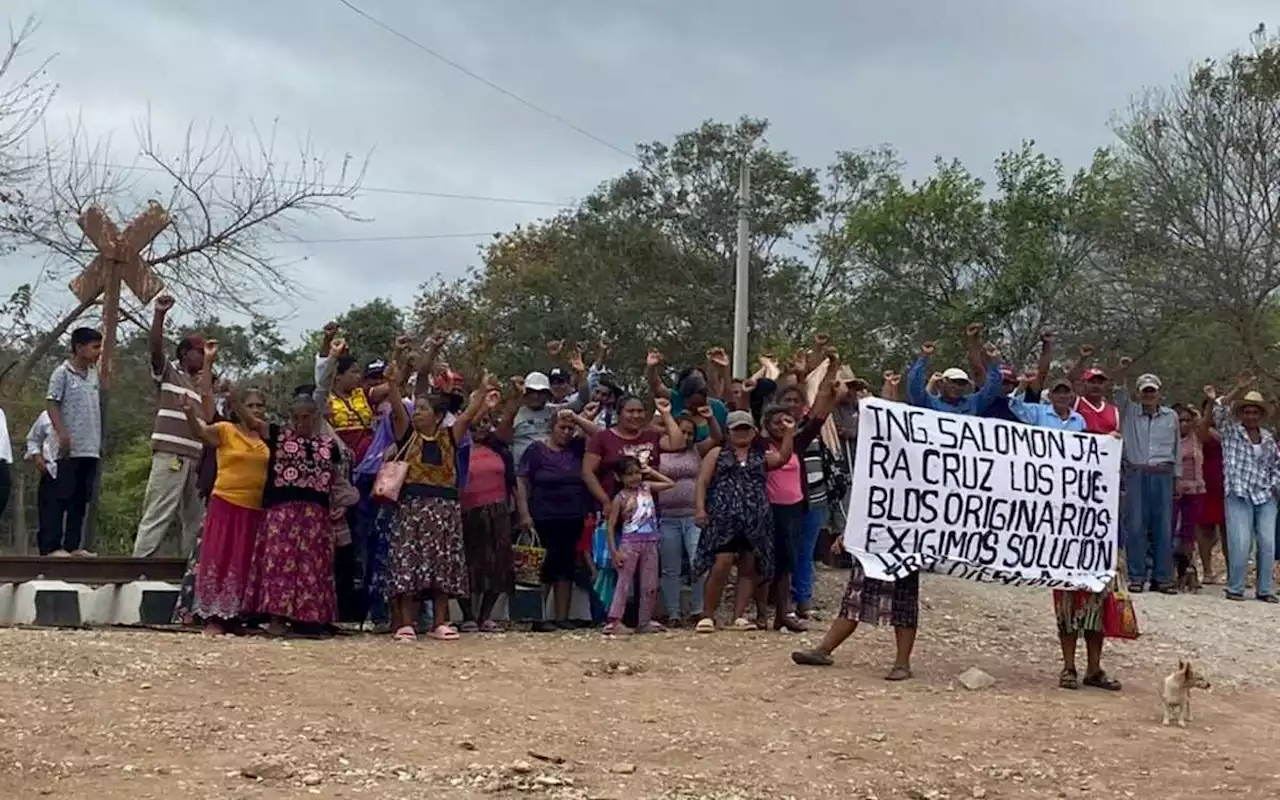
x=133, y=715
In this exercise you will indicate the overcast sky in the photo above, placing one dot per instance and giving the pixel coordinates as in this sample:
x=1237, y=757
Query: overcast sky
x=958, y=78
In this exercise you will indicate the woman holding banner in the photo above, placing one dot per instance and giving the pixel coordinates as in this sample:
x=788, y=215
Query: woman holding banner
x=1079, y=613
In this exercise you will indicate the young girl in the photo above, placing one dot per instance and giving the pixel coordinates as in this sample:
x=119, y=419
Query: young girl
x=634, y=512
x=426, y=553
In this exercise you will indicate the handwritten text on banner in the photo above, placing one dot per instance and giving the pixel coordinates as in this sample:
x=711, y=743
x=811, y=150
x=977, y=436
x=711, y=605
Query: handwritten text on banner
x=982, y=499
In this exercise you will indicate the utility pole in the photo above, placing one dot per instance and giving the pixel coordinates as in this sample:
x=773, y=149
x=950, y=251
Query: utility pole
x=741, y=305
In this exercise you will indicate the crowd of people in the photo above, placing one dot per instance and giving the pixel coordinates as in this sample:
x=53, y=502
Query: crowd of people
x=392, y=481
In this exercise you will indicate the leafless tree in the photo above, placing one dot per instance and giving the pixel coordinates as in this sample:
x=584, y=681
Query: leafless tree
x=1205, y=155
x=230, y=198
x=24, y=97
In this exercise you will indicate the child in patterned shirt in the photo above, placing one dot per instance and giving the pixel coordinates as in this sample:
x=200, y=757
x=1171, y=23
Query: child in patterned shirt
x=634, y=514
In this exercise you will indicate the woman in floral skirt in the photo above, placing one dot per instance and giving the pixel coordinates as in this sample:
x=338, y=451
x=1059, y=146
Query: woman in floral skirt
x=425, y=555
x=292, y=577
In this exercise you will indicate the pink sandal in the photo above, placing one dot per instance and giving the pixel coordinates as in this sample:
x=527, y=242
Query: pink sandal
x=445, y=633
x=405, y=634
x=489, y=626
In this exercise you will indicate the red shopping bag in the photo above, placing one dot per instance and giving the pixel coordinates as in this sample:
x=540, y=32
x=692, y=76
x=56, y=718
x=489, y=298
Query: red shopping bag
x=1119, y=619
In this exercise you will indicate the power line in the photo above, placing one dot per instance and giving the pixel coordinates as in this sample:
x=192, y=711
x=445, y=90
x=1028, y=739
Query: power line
x=373, y=189
x=411, y=237
x=460, y=68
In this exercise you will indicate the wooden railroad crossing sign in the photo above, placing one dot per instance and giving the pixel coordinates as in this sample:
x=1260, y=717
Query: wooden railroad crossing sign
x=119, y=260
x=123, y=249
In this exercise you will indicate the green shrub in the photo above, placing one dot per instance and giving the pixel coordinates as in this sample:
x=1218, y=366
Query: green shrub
x=124, y=482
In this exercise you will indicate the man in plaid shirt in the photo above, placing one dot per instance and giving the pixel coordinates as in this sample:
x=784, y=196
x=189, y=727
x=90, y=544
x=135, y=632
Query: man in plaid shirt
x=1251, y=474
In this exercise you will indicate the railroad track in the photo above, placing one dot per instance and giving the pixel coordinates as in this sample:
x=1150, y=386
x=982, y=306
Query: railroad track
x=100, y=571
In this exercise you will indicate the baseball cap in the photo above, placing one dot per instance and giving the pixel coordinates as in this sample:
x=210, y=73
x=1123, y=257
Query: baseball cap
x=1059, y=381
x=956, y=375
x=375, y=370
x=558, y=375
x=536, y=382
x=1148, y=381
x=740, y=419
x=1093, y=373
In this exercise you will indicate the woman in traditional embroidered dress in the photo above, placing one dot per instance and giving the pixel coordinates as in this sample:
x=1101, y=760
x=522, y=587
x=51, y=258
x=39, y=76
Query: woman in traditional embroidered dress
x=292, y=576
x=426, y=555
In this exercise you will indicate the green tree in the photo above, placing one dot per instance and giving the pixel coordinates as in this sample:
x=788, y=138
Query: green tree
x=371, y=329
x=648, y=258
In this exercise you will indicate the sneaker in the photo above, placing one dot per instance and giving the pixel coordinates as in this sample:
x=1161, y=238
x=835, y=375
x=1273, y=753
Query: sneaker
x=60, y=554
x=545, y=626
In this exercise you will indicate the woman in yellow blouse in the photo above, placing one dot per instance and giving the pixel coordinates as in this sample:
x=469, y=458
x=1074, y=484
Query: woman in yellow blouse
x=231, y=522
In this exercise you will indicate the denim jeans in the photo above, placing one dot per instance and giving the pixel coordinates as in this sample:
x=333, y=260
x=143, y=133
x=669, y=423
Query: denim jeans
x=679, y=540
x=802, y=570
x=1246, y=524
x=1149, y=511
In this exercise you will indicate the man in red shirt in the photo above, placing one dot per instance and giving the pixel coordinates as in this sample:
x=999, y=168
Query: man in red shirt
x=1100, y=415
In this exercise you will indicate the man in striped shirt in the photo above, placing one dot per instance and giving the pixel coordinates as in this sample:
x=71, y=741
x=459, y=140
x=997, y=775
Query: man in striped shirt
x=173, y=489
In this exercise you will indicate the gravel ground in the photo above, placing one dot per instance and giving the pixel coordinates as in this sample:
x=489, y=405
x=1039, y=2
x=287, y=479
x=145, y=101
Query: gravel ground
x=127, y=714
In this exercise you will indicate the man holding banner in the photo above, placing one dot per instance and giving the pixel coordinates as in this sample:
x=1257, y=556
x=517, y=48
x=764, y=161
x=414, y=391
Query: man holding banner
x=981, y=499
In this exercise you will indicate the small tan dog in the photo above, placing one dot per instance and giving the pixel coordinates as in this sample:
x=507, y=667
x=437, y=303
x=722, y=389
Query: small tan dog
x=1176, y=693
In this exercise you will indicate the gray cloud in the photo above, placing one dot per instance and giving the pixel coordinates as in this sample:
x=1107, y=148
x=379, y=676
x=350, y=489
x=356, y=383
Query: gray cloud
x=962, y=80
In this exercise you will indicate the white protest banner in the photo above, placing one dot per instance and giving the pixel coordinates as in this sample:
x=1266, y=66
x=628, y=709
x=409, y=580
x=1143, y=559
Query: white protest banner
x=982, y=499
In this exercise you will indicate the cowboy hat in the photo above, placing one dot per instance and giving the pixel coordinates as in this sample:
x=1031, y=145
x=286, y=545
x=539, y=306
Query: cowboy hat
x=1253, y=398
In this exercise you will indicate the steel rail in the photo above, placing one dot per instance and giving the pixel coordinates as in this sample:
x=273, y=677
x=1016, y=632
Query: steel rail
x=100, y=571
